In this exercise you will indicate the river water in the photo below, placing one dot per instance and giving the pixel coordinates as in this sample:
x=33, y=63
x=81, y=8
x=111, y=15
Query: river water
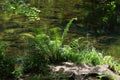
x=57, y=13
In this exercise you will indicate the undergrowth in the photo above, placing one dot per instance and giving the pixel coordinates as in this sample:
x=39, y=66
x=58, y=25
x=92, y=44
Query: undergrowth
x=6, y=63
x=45, y=48
x=50, y=48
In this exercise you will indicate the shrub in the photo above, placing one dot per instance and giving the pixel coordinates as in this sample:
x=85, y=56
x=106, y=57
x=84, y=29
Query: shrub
x=6, y=63
x=44, y=48
x=40, y=51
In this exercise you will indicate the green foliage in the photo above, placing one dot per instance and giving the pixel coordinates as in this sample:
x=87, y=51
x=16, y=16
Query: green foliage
x=18, y=72
x=88, y=56
x=113, y=64
x=67, y=28
x=91, y=57
x=13, y=8
x=18, y=67
x=47, y=47
x=48, y=76
x=31, y=12
x=6, y=63
x=44, y=48
x=37, y=77
x=109, y=77
x=103, y=23
x=10, y=67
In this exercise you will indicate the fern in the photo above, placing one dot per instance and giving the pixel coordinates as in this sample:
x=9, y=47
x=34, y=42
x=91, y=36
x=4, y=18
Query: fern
x=67, y=28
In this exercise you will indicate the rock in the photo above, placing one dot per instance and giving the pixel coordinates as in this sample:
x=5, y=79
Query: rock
x=69, y=64
x=81, y=71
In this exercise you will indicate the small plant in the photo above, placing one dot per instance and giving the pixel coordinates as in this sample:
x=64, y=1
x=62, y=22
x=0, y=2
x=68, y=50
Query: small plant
x=100, y=76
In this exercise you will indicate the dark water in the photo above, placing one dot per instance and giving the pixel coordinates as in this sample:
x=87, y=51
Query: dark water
x=56, y=13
